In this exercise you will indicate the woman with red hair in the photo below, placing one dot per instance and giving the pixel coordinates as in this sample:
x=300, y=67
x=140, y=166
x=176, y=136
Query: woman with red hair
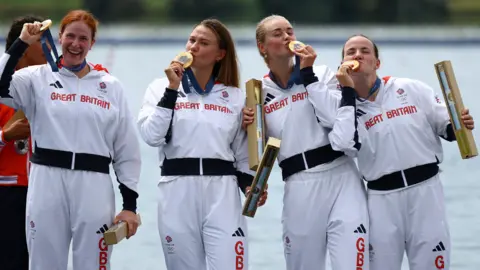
x=80, y=122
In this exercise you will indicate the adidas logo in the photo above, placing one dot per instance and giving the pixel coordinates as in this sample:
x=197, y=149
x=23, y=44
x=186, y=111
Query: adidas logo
x=238, y=232
x=268, y=98
x=360, y=229
x=439, y=247
x=181, y=94
x=360, y=113
x=102, y=229
x=57, y=84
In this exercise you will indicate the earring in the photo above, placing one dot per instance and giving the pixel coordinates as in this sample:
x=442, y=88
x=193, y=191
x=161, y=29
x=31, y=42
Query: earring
x=265, y=56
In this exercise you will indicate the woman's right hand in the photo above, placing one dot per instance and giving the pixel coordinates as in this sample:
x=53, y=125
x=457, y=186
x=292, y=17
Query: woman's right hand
x=174, y=74
x=247, y=117
x=343, y=76
x=31, y=32
x=18, y=130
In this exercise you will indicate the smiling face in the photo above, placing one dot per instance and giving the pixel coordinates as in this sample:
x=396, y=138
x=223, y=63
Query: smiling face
x=204, y=46
x=273, y=35
x=363, y=50
x=76, y=40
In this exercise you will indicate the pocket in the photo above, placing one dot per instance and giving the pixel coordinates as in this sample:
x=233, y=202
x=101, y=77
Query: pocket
x=226, y=121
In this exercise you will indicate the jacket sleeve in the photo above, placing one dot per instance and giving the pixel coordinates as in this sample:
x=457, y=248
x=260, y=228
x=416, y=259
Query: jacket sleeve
x=344, y=136
x=126, y=155
x=322, y=93
x=436, y=110
x=240, y=150
x=2, y=143
x=156, y=114
x=16, y=89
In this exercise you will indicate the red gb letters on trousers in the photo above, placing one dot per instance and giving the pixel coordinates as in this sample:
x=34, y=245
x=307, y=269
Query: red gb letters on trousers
x=239, y=251
x=103, y=254
x=360, y=253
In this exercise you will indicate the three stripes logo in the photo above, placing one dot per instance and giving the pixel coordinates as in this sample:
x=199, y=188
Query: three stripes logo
x=102, y=229
x=238, y=233
x=360, y=113
x=360, y=229
x=181, y=94
x=439, y=260
x=360, y=246
x=268, y=98
x=439, y=247
x=56, y=84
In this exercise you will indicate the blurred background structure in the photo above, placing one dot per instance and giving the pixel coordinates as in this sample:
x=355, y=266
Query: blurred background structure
x=250, y=11
x=316, y=21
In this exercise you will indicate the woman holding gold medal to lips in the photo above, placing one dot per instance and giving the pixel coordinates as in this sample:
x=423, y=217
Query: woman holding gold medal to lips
x=399, y=158
x=324, y=206
x=193, y=116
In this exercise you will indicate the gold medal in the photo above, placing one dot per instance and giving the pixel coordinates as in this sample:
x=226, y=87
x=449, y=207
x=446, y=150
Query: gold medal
x=295, y=45
x=185, y=58
x=45, y=25
x=353, y=64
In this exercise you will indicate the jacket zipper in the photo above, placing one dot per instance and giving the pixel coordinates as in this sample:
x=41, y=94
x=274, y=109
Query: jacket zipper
x=74, y=141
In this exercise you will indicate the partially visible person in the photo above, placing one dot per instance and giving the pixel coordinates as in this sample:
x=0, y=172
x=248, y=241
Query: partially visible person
x=80, y=123
x=15, y=151
x=393, y=126
x=194, y=116
x=324, y=206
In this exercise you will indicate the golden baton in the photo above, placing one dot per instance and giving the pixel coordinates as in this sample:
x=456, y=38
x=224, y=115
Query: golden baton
x=118, y=232
x=453, y=98
x=255, y=131
x=261, y=177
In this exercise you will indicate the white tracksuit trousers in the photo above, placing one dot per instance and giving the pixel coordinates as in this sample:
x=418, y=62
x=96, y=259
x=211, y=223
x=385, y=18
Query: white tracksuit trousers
x=412, y=220
x=65, y=206
x=200, y=223
x=322, y=211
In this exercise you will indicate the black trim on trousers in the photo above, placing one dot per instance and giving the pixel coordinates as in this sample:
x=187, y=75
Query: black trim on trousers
x=63, y=159
x=313, y=158
x=413, y=176
x=191, y=166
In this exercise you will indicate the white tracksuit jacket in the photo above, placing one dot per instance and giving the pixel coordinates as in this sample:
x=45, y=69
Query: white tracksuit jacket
x=401, y=129
x=88, y=115
x=300, y=127
x=207, y=127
